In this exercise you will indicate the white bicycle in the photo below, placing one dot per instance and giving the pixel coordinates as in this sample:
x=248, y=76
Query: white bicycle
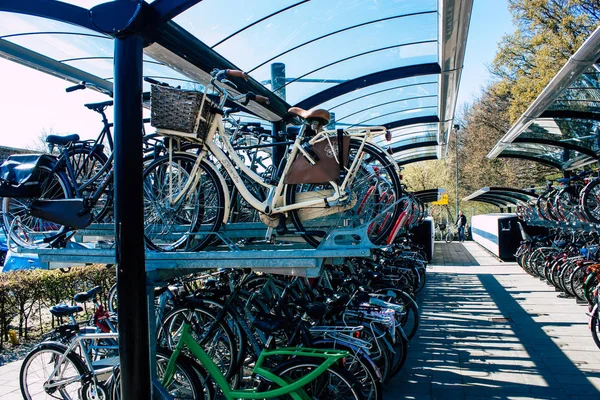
x=186, y=197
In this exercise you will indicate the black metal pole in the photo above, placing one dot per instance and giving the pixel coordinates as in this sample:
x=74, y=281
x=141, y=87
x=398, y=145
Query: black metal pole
x=129, y=220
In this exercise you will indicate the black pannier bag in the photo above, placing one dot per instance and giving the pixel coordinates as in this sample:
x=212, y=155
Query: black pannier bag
x=20, y=175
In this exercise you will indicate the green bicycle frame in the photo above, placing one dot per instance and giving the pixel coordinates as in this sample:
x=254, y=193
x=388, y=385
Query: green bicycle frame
x=294, y=389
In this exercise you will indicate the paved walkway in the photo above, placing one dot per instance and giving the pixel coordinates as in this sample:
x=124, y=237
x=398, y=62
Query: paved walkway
x=466, y=350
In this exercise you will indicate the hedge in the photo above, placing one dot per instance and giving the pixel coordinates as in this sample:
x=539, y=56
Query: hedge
x=25, y=296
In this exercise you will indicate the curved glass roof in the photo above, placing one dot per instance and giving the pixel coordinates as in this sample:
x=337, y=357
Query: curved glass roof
x=562, y=126
x=501, y=196
x=384, y=62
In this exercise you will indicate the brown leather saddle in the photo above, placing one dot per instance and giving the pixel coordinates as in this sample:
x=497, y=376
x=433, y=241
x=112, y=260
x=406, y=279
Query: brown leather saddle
x=319, y=115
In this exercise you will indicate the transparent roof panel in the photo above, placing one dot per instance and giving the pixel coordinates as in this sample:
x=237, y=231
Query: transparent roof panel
x=397, y=115
x=370, y=112
x=18, y=24
x=583, y=95
x=323, y=43
x=355, y=65
x=406, y=156
x=289, y=23
x=568, y=119
x=66, y=46
x=409, y=134
x=418, y=85
x=576, y=132
x=565, y=158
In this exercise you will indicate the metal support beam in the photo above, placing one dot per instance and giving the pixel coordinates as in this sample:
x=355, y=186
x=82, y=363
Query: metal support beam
x=129, y=220
x=278, y=79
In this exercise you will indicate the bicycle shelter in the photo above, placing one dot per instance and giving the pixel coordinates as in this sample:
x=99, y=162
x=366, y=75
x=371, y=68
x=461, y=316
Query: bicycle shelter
x=408, y=83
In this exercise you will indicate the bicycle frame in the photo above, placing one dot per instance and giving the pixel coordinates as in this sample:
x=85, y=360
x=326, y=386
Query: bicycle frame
x=294, y=389
x=273, y=204
x=79, y=341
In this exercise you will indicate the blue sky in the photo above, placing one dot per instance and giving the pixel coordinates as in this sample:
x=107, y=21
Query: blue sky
x=38, y=102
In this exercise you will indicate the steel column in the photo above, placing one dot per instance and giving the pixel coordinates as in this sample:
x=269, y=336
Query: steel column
x=129, y=220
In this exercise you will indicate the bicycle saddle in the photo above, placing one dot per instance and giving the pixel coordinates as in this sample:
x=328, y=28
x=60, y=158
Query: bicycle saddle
x=99, y=106
x=85, y=296
x=62, y=140
x=63, y=310
x=319, y=115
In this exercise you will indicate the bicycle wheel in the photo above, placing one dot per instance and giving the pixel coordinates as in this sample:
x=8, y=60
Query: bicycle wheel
x=375, y=188
x=191, y=223
x=595, y=329
x=449, y=237
x=577, y=280
x=23, y=228
x=590, y=201
x=86, y=163
x=38, y=365
x=359, y=365
x=334, y=383
x=112, y=301
x=220, y=346
x=189, y=382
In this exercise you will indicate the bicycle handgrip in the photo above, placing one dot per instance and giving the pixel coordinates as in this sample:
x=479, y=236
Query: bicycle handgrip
x=74, y=88
x=235, y=73
x=262, y=99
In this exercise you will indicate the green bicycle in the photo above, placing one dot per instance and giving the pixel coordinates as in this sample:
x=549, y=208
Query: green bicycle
x=308, y=374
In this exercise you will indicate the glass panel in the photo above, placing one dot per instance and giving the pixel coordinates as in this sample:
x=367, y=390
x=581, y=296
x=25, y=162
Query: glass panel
x=411, y=96
x=63, y=47
x=362, y=65
x=267, y=44
x=371, y=112
x=583, y=95
x=13, y=23
x=211, y=22
x=407, y=85
x=407, y=155
x=545, y=152
x=400, y=115
x=578, y=132
x=398, y=141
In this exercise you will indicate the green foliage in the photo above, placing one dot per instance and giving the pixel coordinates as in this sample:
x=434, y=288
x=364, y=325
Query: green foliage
x=25, y=294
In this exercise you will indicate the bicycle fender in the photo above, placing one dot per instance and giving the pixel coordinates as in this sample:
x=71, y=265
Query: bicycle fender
x=224, y=186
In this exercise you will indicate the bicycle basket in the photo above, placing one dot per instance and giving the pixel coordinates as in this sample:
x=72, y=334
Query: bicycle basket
x=179, y=112
x=20, y=175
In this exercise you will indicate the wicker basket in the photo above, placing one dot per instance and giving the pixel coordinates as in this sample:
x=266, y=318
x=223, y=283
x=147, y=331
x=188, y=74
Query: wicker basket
x=180, y=110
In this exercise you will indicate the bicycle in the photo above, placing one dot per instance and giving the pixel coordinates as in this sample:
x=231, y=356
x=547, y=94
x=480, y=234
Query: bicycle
x=449, y=236
x=186, y=197
x=316, y=380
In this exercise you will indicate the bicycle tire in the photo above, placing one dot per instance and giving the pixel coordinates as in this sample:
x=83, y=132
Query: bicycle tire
x=359, y=365
x=589, y=201
x=346, y=388
x=449, y=237
x=33, y=232
x=86, y=162
x=51, y=353
x=315, y=229
x=577, y=281
x=595, y=329
x=221, y=343
x=191, y=224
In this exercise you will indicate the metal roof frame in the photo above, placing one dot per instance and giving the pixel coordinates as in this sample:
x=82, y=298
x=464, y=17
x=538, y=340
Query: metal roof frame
x=429, y=195
x=501, y=196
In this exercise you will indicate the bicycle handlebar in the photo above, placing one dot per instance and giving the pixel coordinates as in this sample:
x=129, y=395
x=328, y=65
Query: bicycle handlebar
x=76, y=87
x=84, y=85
